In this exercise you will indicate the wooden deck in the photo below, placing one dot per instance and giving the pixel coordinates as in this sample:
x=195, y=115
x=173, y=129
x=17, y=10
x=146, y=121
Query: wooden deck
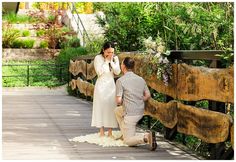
x=37, y=124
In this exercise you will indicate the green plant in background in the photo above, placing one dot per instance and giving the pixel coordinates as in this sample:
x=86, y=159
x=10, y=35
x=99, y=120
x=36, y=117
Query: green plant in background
x=94, y=46
x=9, y=35
x=12, y=17
x=202, y=104
x=70, y=41
x=36, y=70
x=40, y=32
x=43, y=44
x=25, y=33
x=51, y=18
x=67, y=54
x=23, y=43
x=183, y=26
x=226, y=57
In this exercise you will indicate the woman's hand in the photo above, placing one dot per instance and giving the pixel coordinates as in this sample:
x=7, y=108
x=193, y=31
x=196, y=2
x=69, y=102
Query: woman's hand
x=115, y=58
x=108, y=57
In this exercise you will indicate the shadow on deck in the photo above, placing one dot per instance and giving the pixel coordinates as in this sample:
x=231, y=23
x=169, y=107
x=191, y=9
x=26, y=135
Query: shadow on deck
x=37, y=124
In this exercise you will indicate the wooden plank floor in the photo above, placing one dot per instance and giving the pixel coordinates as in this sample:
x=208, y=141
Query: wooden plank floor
x=37, y=124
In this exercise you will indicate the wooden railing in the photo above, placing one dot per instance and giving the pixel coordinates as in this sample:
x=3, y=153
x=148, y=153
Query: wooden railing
x=188, y=83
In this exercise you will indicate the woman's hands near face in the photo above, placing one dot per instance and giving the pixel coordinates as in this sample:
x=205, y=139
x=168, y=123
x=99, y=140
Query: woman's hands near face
x=108, y=54
x=108, y=57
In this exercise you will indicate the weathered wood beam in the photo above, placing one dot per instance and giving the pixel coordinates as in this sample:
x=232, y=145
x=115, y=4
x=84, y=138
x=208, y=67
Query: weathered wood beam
x=85, y=87
x=91, y=73
x=210, y=126
x=190, y=83
x=166, y=113
x=198, y=83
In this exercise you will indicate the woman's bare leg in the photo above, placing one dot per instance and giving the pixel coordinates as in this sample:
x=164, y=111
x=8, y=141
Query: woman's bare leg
x=110, y=132
x=102, y=134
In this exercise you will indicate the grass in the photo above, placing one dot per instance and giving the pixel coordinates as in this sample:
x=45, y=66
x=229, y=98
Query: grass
x=25, y=33
x=14, y=18
x=35, y=72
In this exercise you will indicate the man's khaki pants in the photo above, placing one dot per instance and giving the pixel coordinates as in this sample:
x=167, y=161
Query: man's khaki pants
x=128, y=127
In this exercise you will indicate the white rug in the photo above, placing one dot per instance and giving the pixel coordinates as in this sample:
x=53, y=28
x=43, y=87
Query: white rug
x=101, y=141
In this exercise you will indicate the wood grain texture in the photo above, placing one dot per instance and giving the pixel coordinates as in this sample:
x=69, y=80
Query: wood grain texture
x=73, y=84
x=198, y=83
x=85, y=87
x=190, y=83
x=91, y=73
x=77, y=67
x=166, y=113
x=210, y=126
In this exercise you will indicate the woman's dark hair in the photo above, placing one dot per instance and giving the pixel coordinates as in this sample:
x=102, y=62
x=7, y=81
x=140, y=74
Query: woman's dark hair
x=106, y=46
x=129, y=63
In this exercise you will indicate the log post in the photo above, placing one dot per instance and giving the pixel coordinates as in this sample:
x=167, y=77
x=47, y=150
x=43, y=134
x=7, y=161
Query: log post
x=169, y=133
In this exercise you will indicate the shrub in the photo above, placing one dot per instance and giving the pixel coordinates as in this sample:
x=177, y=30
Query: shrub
x=25, y=33
x=14, y=18
x=19, y=43
x=70, y=42
x=43, y=44
x=40, y=32
x=94, y=46
x=70, y=53
x=9, y=35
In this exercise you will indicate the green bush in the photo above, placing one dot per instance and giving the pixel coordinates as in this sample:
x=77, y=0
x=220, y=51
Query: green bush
x=43, y=44
x=51, y=18
x=182, y=26
x=25, y=33
x=71, y=42
x=94, y=46
x=9, y=35
x=70, y=53
x=19, y=43
x=40, y=32
x=14, y=18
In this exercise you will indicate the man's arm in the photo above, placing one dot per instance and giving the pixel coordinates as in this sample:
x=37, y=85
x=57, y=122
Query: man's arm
x=146, y=93
x=119, y=92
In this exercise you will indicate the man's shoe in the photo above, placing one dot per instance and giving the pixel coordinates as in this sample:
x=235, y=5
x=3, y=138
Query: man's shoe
x=152, y=141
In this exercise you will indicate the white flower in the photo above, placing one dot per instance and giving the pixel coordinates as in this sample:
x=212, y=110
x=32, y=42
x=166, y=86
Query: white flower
x=160, y=60
x=161, y=49
x=153, y=45
x=157, y=55
x=165, y=61
x=150, y=51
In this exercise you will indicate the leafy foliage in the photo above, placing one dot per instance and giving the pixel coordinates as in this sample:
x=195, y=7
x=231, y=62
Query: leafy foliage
x=11, y=17
x=23, y=43
x=25, y=33
x=94, y=46
x=70, y=53
x=36, y=70
x=182, y=26
x=43, y=44
x=9, y=35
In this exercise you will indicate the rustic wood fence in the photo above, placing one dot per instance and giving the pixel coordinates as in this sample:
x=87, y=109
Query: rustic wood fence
x=189, y=84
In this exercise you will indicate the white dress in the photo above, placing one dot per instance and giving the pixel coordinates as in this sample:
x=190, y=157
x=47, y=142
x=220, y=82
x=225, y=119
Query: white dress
x=104, y=93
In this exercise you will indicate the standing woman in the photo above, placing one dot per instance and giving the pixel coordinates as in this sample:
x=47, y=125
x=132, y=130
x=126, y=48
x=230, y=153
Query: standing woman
x=106, y=64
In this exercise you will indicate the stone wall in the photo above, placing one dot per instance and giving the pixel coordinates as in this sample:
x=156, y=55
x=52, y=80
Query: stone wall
x=29, y=54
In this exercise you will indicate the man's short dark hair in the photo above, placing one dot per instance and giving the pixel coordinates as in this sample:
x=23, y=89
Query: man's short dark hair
x=129, y=63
